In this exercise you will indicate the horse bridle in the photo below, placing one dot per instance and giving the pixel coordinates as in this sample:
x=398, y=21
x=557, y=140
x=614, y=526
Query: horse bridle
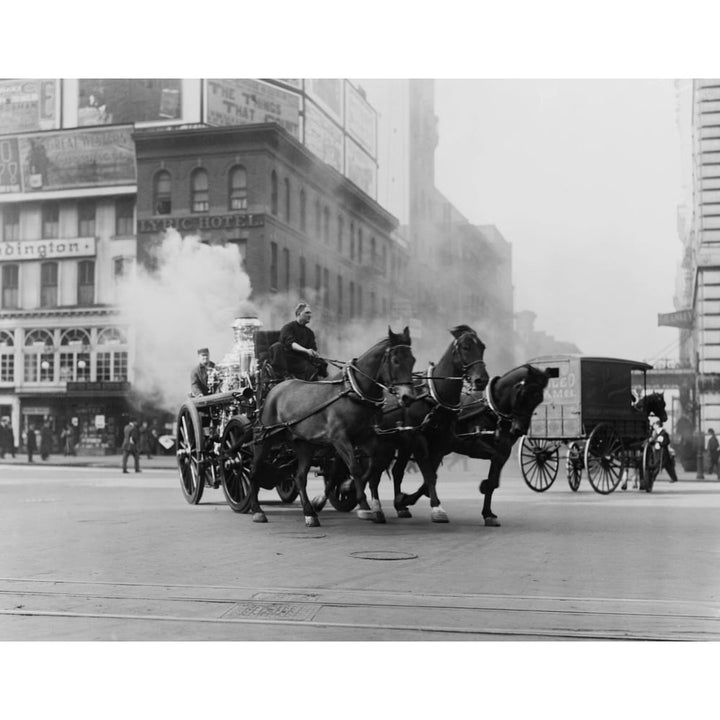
x=457, y=356
x=457, y=351
x=351, y=369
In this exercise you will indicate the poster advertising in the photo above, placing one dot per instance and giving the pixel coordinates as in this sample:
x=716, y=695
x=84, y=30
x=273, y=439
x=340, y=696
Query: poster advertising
x=360, y=120
x=27, y=105
x=323, y=137
x=360, y=168
x=10, y=176
x=57, y=161
x=239, y=102
x=328, y=94
x=110, y=102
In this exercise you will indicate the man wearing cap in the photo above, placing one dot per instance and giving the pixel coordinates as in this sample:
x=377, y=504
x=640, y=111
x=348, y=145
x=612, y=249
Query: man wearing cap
x=298, y=341
x=199, y=374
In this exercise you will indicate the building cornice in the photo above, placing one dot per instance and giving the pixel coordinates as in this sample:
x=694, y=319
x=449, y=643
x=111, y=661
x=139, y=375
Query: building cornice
x=106, y=311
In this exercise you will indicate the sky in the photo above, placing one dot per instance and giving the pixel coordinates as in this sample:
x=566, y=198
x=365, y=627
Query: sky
x=584, y=178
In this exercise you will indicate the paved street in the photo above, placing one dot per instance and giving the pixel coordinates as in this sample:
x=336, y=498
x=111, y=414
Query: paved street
x=89, y=553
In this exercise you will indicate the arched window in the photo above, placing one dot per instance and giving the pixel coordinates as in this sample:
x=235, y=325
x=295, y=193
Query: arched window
x=86, y=282
x=384, y=260
x=360, y=246
x=7, y=357
x=287, y=201
x=75, y=355
x=237, y=181
x=373, y=257
x=352, y=240
x=200, y=188
x=10, y=287
x=318, y=219
x=303, y=211
x=340, y=227
x=112, y=360
x=39, y=356
x=162, y=193
x=273, y=193
x=48, y=284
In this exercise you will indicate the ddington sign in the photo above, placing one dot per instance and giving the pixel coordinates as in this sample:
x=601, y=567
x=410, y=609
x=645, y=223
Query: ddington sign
x=228, y=221
x=47, y=249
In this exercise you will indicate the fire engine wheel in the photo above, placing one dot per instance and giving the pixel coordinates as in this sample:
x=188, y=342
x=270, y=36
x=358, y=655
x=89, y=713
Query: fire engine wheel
x=650, y=466
x=574, y=465
x=286, y=489
x=539, y=462
x=604, y=458
x=189, y=453
x=235, y=463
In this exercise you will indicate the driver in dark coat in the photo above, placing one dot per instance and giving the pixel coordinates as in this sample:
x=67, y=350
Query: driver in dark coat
x=199, y=374
x=298, y=342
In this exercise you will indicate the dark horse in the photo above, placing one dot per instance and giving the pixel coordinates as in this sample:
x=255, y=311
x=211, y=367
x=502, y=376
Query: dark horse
x=487, y=427
x=652, y=404
x=424, y=428
x=339, y=412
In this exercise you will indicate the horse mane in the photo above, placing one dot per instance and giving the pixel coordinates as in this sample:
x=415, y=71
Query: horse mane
x=460, y=329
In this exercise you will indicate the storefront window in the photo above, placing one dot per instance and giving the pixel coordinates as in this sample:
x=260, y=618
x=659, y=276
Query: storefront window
x=74, y=355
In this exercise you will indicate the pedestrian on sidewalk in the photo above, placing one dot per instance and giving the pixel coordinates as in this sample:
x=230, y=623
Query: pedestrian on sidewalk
x=45, y=440
x=31, y=443
x=7, y=438
x=661, y=438
x=713, y=448
x=145, y=440
x=131, y=445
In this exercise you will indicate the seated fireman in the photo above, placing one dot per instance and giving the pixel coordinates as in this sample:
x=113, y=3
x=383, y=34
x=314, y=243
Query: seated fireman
x=199, y=375
x=298, y=342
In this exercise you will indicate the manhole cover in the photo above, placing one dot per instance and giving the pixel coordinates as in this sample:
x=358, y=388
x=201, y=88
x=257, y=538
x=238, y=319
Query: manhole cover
x=382, y=555
x=273, y=611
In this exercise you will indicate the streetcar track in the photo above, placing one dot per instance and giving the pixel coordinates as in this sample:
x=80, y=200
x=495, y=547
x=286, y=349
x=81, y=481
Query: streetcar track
x=476, y=615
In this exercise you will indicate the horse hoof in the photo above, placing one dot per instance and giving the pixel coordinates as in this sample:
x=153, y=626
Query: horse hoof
x=378, y=517
x=365, y=514
x=482, y=487
x=403, y=513
x=438, y=515
x=311, y=521
x=492, y=522
x=259, y=517
x=318, y=503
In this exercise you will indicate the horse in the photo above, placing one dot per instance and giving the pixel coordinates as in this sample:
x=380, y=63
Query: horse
x=487, y=427
x=338, y=412
x=652, y=404
x=426, y=422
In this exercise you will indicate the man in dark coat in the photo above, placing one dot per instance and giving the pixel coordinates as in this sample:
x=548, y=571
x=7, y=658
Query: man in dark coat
x=713, y=448
x=130, y=445
x=298, y=342
x=667, y=454
x=45, y=441
x=199, y=375
x=31, y=443
x=7, y=438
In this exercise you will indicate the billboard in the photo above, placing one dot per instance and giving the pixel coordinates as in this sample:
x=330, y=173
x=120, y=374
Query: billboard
x=27, y=105
x=69, y=159
x=360, y=120
x=328, y=94
x=323, y=137
x=113, y=101
x=239, y=102
x=360, y=168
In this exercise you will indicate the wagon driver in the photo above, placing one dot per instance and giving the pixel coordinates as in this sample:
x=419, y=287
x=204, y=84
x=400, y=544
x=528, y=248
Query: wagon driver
x=298, y=341
x=199, y=374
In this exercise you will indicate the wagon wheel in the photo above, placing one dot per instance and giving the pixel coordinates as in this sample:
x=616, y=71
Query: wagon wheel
x=650, y=466
x=339, y=486
x=539, y=462
x=189, y=453
x=235, y=464
x=574, y=464
x=604, y=458
x=285, y=487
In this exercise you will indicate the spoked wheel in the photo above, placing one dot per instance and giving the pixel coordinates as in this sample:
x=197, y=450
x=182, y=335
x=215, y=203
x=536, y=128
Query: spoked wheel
x=236, y=460
x=604, y=459
x=189, y=453
x=340, y=487
x=574, y=465
x=286, y=487
x=539, y=462
x=650, y=465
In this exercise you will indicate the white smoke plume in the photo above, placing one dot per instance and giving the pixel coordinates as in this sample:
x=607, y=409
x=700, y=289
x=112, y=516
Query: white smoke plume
x=188, y=302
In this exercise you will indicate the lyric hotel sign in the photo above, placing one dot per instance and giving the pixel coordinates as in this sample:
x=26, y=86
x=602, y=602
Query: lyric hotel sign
x=190, y=223
x=47, y=249
x=64, y=160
